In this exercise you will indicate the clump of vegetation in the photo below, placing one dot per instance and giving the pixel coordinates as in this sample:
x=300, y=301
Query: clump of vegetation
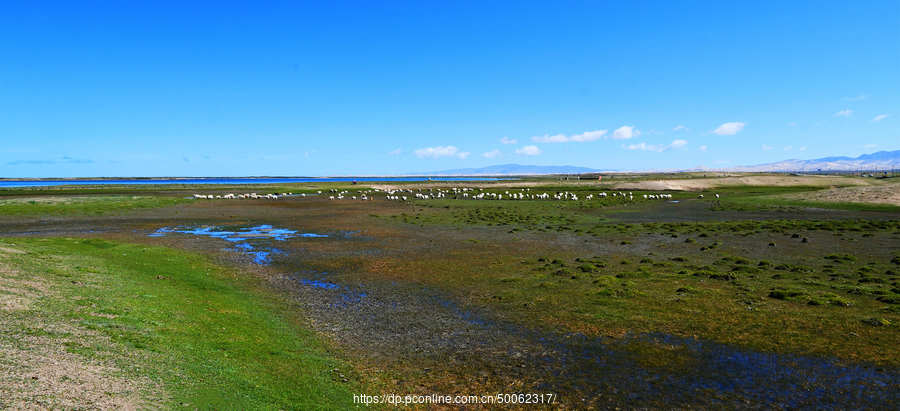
x=587, y=268
x=781, y=293
x=877, y=322
x=729, y=276
x=711, y=246
x=840, y=258
x=889, y=299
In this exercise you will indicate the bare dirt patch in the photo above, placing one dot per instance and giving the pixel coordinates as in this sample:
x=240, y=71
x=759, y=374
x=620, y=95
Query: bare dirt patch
x=709, y=183
x=880, y=194
x=37, y=371
x=44, y=375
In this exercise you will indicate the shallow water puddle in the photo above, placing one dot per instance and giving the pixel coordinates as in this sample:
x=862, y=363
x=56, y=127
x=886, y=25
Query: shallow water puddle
x=254, y=241
x=343, y=295
x=643, y=368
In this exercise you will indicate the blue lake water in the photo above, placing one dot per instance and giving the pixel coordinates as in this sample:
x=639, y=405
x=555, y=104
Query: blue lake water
x=49, y=183
x=260, y=250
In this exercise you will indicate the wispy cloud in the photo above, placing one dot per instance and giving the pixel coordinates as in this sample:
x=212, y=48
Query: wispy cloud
x=546, y=138
x=880, y=117
x=491, y=154
x=679, y=128
x=729, y=129
x=396, y=151
x=59, y=160
x=870, y=146
x=507, y=140
x=656, y=147
x=441, y=151
x=528, y=151
x=792, y=124
x=578, y=138
x=859, y=97
x=844, y=113
x=703, y=148
x=625, y=133
x=766, y=147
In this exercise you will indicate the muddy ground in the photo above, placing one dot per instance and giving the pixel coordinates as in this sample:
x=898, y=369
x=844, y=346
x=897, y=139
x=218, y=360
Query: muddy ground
x=424, y=338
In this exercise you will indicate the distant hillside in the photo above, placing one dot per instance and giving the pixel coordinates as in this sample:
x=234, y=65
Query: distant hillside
x=511, y=169
x=875, y=161
x=879, y=160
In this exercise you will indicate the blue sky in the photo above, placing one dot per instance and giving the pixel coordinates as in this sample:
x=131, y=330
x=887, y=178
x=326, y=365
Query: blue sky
x=340, y=88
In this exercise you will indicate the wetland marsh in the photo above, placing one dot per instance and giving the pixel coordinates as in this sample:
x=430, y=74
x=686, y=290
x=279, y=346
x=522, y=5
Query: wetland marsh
x=758, y=299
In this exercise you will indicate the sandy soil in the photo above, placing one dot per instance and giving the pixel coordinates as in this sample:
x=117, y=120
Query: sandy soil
x=36, y=369
x=880, y=194
x=709, y=183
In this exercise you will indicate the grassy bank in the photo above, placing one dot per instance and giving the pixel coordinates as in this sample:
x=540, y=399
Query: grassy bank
x=170, y=327
x=82, y=205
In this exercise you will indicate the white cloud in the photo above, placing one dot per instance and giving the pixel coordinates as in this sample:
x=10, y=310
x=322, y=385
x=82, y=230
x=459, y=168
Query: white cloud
x=880, y=117
x=802, y=148
x=562, y=138
x=441, y=151
x=644, y=147
x=546, y=138
x=625, y=132
x=703, y=148
x=729, y=129
x=491, y=154
x=395, y=152
x=528, y=151
x=507, y=140
x=766, y=147
x=588, y=136
x=656, y=147
x=788, y=148
x=860, y=97
x=844, y=113
x=679, y=128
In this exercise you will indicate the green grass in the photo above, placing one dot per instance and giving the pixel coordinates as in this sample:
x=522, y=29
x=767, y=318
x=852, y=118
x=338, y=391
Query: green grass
x=792, y=305
x=82, y=205
x=785, y=285
x=210, y=336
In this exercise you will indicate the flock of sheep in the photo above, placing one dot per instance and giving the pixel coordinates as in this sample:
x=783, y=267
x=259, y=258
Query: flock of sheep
x=254, y=196
x=456, y=193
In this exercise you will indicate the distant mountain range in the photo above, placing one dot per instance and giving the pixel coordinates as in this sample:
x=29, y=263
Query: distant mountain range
x=874, y=161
